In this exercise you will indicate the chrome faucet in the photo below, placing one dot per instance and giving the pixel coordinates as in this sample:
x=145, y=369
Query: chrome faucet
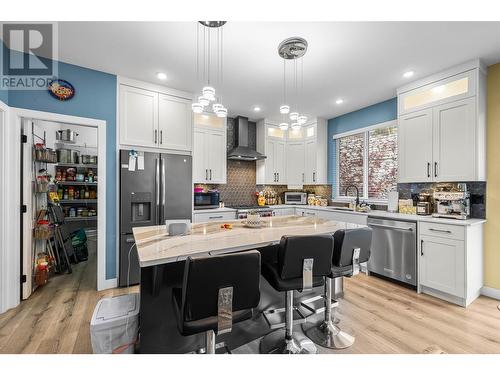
x=357, y=194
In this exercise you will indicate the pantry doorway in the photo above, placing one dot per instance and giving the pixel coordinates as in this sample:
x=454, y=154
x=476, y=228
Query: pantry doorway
x=39, y=165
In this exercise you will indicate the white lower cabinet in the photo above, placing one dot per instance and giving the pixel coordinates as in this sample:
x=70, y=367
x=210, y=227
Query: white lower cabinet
x=450, y=261
x=442, y=264
x=305, y=212
x=204, y=217
x=283, y=211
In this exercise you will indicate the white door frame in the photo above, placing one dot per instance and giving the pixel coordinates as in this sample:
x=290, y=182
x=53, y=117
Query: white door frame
x=11, y=139
x=8, y=292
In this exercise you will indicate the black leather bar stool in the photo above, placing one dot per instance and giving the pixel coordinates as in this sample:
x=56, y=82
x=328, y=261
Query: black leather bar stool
x=217, y=291
x=303, y=262
x=351, y=248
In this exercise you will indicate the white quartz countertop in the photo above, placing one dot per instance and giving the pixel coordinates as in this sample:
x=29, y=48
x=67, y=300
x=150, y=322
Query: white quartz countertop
x=388, y=215
x=155, y=246
x=214, y=210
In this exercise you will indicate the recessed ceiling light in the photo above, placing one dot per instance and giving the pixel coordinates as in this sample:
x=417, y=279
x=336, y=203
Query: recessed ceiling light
x=339, y=101
x=161, y=76
x=408, y=74
x=256, y=109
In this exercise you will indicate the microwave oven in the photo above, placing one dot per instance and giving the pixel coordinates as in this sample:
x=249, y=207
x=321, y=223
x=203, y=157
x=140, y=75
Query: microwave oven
x=295, y=197
x=206, y=200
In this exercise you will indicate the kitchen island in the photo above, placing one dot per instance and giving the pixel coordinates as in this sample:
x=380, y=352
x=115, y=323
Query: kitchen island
x=161, y=258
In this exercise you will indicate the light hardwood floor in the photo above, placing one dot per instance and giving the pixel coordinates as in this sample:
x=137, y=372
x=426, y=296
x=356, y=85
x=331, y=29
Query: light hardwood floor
x=386, y=318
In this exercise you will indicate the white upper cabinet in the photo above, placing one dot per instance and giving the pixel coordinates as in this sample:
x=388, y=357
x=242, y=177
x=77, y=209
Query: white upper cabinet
x=442, y=127
x=209, y=149
x=307, y=164
x=295, y=168
x=174, y=123
x=415, y=147
x=149, y=118
x=454, y=141
x=138, y=117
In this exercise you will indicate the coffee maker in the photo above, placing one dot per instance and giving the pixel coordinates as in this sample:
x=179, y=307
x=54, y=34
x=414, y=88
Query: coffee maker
x=452, y=203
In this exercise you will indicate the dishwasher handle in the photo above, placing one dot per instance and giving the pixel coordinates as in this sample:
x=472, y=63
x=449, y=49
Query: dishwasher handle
x=389, y=227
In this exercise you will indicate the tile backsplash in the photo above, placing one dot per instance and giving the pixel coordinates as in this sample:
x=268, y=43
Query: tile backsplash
x=477, y=192
x=240, y=186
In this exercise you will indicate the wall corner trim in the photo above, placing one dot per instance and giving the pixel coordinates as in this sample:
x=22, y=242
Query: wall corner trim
x=490, y=292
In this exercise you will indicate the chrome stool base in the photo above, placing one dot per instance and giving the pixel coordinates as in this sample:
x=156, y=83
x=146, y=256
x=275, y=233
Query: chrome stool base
x=275, y=343
x=328, y=335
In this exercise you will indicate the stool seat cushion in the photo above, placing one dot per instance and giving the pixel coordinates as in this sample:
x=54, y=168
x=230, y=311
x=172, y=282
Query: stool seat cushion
x=271, y=274
x=187, y=328
x=341, y=271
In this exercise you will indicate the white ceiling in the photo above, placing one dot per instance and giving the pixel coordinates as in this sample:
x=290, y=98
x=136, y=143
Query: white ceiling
x=360, y=62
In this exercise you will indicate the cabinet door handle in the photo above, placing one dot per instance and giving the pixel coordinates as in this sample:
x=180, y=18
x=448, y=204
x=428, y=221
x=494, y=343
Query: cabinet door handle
x=428, y=169
x=206, y=174
x=274, y=177
x=156, y=136
x=314, y=176
x=440, y=230
x=278, y=177
x=303, y=177
x=421, y=247
x=215, y=217
x=435, y=169
x=210, y=175
x=161, y=137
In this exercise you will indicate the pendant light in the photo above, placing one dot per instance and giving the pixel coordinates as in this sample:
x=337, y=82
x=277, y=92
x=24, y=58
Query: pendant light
x=208, y=95
x=292, y=49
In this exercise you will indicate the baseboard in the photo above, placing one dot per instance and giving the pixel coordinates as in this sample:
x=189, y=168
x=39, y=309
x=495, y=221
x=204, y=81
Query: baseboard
x=490, y=292
x=107, y=284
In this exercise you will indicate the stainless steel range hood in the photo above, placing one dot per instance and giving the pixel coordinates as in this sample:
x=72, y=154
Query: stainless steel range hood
x=241, y=150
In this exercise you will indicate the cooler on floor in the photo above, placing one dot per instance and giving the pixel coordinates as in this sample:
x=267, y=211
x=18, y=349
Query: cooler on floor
x=115, y=324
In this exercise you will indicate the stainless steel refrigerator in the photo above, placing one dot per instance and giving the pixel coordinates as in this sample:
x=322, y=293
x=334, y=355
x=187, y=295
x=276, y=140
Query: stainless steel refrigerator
x=160, y=191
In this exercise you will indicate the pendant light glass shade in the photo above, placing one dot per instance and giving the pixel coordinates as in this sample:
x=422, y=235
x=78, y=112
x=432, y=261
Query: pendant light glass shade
x=302, y=119
x=208, y=93
x=284, y=109
x=197, y=107
x=294, y=116
x=295, y=126
x=203, y=101
x=216, y=107
x=284, y=126
x=222, y=112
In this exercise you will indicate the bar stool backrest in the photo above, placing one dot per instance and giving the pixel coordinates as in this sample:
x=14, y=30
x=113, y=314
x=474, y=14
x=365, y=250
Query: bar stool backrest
x=293, y=250
x=205, y=276
x=346, y=240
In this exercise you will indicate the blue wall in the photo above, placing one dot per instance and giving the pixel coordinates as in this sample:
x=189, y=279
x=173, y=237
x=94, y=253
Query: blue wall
x=374, y=114
x=95, y=97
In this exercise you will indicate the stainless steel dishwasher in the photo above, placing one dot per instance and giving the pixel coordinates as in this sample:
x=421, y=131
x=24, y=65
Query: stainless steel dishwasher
x=394, y=249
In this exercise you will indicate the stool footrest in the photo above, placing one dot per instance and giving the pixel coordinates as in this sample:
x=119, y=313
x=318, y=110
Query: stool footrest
x=275, y=318
x=316, y=304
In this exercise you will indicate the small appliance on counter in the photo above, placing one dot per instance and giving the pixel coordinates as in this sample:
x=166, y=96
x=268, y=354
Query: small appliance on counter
x=424, y=204
x=452, y=203
x=392, y=201
x=203, y=200
x=295, y=197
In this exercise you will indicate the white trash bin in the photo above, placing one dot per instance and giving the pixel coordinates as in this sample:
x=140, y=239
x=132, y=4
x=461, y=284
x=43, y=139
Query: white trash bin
x=115, y=324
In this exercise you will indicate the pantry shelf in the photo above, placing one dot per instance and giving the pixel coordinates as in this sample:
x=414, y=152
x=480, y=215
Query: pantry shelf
x=77, y=201
x=76, y=183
